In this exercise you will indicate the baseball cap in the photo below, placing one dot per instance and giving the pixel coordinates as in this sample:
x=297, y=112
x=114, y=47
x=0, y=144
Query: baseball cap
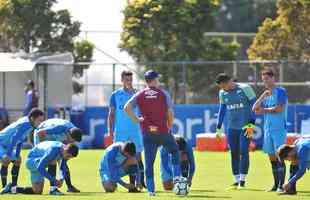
x=222, y=78
x=151, y=74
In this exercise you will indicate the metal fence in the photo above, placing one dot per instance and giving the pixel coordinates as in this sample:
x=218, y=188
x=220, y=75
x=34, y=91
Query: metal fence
x=193, y=82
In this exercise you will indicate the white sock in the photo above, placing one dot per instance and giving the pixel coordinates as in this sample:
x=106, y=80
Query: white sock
x=13, y=190
x=237, y=177
x=52, y=188
x=242, y=177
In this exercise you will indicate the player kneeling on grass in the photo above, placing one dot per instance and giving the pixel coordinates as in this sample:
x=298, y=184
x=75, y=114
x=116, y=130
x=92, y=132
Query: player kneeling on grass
x=187, y=164
x=119, y=160
x=39, y=158
x=299, y=156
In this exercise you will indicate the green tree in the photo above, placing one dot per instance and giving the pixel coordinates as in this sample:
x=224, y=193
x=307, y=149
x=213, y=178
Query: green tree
x=285, y=37
x=244, y=15
x=32, y=25
x=83, y=52
x=165, y=30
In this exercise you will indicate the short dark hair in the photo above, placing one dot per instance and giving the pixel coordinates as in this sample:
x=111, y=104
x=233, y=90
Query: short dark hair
x=73, y=149
x=126, y=73
x=76, y=134
x=35, y=113
x=222, y=78
x=268, y=71
x=283, y=151
x=130, y=148
x=181, y=143
x=30, y=83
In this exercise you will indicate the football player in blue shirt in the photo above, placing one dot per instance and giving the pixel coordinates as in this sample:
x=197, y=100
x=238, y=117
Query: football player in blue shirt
x=39, y=157
x=187, y=163
x=299, y=156
x=120, y=125
x=273, y=105
x=58, y=130
x=119, y=160
x=12, y=137
x=236, y=101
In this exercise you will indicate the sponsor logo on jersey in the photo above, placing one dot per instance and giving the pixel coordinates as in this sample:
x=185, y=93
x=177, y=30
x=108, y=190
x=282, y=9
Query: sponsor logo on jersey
x=235, y=106
x=151, y=94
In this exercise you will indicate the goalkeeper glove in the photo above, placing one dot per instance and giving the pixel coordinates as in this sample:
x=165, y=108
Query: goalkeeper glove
x=249, y=130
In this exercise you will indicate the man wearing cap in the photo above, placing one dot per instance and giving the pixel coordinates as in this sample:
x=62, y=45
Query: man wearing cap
x=120, y=125
x=32, y=97
x=156, y=121
x=236, y=101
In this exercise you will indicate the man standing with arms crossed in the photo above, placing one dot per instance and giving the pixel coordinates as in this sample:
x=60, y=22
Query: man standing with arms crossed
x=121, y=126
x=156, y=121
x=236, y=101
x=273, y=105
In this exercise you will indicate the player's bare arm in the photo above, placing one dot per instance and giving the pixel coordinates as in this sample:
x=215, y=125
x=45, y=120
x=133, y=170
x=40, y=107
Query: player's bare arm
x=257, y=107
x=128, y=109
x=170, y=118
x=111, y=119
x=276, y=109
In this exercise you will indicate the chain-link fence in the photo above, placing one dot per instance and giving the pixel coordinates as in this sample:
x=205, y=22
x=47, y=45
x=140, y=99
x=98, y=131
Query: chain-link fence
x=193, y=82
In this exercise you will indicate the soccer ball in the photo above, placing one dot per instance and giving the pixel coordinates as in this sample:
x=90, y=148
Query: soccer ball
x=180, y=186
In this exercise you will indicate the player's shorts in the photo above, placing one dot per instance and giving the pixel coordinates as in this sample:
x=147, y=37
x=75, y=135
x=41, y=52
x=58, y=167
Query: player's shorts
x=3, y=152
x=134, y=137
x=105, y=175
x=273, y=140
x=32, y=165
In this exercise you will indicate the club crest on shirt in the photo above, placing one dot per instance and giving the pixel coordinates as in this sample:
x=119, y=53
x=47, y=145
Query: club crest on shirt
x=153, y=129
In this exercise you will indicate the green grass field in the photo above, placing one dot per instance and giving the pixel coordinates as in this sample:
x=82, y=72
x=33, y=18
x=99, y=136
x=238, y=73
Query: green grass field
x=212, y=176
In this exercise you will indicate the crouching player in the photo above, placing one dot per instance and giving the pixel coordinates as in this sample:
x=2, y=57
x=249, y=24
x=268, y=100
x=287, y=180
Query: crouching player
x=62, y=131
x=119, y=160
x=12, y=138
x=299, y=156
x=39, y=158
x=187, y=164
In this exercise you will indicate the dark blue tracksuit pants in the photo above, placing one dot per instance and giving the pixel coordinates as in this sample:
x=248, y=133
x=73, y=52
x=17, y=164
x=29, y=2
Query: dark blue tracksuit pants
x=151, y=142
x=239, y=149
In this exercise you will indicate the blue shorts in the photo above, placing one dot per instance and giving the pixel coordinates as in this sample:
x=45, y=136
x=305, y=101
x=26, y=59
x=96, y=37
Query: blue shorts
x=32, y=165
x=105, y=175
x=3, y=152
x=273, y=140
x=135, y=137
